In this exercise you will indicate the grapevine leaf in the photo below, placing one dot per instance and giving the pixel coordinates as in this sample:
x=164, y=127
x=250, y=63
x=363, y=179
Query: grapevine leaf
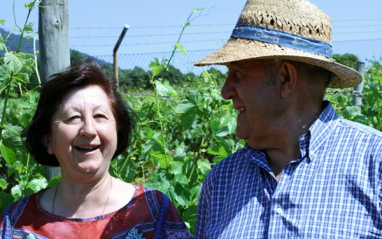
x=2, y=45
x=53, y=181
x=8, y=154
x=192, y=175
x=11, y=137
x=15, y=61
x=196, y=188
x=127, y=173
x=197, y=130
x=16, y=192
x=204, y=166
x=3, y=184
x=156, y=66
x=159, y=182
x=164, y=159
x=229, y=121
x=215, y=124
x=188, y=119
x=185, y=106
x=2, y=21
x=180, y=154
x=217, y=159
x=176, y=168
x=181, y=179
x=222, y=131
x=190, y=212
x=4, y=75
x=214, y=149
x=351, y=111
x=180, y=47
x=223, y=126
x=152, y=138
x=181, y=194
x=6, y=199
x=37, y=184
x=228, y=148
x=164, y=89
x=188, y=110
x=29, y=27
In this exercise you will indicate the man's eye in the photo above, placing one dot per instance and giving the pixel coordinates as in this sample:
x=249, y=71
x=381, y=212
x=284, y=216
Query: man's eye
x=239, y=74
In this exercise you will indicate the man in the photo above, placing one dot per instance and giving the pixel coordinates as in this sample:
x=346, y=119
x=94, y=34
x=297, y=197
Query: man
x=304, y=173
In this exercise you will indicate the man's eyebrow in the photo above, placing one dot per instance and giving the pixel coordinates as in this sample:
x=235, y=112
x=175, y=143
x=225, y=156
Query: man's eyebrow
x=234, y=66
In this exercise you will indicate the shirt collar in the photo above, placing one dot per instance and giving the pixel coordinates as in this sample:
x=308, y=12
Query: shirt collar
x=320, y=130
x=257, y=157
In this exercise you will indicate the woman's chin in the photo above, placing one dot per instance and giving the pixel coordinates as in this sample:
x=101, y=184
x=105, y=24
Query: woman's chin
x=88, y=168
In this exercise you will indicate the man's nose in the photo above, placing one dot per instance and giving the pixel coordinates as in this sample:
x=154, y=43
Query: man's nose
x=228, y=91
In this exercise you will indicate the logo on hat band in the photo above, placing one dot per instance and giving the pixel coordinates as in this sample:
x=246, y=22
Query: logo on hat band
x=283, y=39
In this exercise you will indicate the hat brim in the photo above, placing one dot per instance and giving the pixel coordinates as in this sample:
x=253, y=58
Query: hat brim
x=238, y=49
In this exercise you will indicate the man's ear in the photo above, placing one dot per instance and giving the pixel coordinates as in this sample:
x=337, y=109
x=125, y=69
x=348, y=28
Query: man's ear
x=45, y=140
x=288, y=78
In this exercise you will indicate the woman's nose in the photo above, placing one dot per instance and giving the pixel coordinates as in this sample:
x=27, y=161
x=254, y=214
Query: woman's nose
x=88, y=129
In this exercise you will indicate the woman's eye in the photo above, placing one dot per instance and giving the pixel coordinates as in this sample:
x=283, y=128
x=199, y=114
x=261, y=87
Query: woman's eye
x=75, y=118
x=100, y=116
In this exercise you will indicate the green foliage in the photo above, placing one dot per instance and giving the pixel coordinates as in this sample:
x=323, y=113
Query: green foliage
x=370, y=113
x=134, y=79
x=23, y=176
x=138, y=79
x=347, y=59
x=76, y=57
x=372, y=101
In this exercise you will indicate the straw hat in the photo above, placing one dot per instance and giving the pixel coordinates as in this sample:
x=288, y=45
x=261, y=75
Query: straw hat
x=284, y=29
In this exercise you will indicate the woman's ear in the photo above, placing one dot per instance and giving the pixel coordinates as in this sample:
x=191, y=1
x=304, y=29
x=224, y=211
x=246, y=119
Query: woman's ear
x=45, y=140
x=288, y=78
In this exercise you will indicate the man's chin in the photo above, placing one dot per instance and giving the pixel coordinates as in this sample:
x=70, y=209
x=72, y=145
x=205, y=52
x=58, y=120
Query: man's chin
x=241, y=134
x=257, y=144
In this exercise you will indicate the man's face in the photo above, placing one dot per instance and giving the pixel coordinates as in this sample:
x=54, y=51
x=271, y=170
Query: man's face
x=255, y=99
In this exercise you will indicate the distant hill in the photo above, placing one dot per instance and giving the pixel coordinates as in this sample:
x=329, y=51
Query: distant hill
x=13, y=43
x=27, y=47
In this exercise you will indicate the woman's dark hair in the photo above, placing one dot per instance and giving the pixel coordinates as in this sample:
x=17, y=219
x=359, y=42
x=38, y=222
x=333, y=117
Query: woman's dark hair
x=51, y=96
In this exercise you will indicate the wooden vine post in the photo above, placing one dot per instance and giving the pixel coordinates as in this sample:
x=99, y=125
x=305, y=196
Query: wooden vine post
x=54, y=47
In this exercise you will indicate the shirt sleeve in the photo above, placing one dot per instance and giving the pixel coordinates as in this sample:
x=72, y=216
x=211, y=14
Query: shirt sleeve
x=379, y=176
x=204, y=206
x=169, y=215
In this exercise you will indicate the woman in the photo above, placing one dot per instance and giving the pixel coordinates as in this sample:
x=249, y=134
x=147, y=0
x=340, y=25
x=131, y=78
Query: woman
x=81, y=124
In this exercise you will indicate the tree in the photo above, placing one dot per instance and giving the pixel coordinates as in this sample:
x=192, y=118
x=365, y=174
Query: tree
x=347, y=59
x=134, y=79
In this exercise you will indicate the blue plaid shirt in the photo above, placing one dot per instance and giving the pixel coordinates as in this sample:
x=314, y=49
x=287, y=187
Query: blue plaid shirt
x=332, y=191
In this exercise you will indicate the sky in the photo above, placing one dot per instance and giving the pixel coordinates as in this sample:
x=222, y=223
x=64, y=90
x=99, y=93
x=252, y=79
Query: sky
x=155, y=25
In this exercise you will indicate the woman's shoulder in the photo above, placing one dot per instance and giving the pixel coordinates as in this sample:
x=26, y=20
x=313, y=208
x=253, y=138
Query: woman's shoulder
x=21, y=203
x=150, y=193
x=14, y=212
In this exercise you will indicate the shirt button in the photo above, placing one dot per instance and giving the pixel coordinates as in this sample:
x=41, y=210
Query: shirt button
x=279, y=210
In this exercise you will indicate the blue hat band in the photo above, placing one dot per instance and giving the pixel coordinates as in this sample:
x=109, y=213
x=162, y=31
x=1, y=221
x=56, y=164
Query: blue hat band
x=283, y=39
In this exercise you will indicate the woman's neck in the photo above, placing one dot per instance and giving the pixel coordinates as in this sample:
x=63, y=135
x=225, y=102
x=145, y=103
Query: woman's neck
x=76, y=200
